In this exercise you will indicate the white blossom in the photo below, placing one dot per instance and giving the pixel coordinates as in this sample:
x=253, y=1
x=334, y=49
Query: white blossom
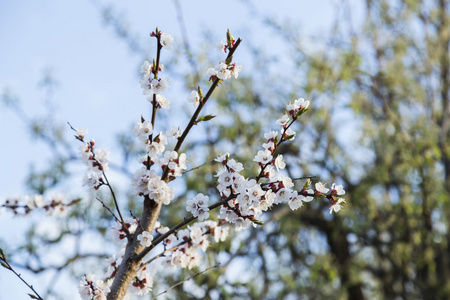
x=235, y=69
x=279, y=162
x=174, y=132
x=145, y=238
x=221, y=233
x=166, y=41
x=337, y=206
x=221, y=158
x=198, y=206
x=296, y=201
x=338, y=188
x=283, y=120
x=283, y=195
x=92, y=180
x=143, y=130
x=234, y=165
x=81, y=132
x=146, y=68
x=162, y=101
x=290, y=133
x=263, y=157
x=269, y=146
x=320, y=187
x=270, y=135
x=194, y=97
x=142, y=283
x=301, y=103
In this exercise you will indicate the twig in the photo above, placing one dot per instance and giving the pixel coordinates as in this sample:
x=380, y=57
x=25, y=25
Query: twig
x=202, y=103
x=116, y=204
x=187, y=279
x=155, y=73
x=108, y=209
x=137, y=220
x=187, y=47
x=299, y=178
x=6, y=265
x=125, y=229
x=199, y=166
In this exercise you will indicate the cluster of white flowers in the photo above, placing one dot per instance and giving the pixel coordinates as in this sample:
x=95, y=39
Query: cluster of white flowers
x=243, y=200
x=224, y=47
x=118, y=231
x=153, y=86
x=143, y=131
x=298, y=106
x=336, y=190
x=174, y=132
x=187, y=245
x=148, y=182
x=142, y=283
x=199, y=207
x=96, y=161
x=176, y=164
x=89, y=289
x=55, y=205
x=190, y=241
x=250, y=198
x=224, y=71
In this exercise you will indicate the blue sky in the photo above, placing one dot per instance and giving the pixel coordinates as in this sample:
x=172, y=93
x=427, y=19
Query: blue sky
x=98, y=86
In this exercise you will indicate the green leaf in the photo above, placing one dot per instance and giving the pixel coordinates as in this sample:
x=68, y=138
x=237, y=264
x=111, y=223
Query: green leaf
x=275, y=141
x=5, y=265
x=33, y=296
x=204, y=119
x=301, y=112
x=307, y=183
x=258, y=222
x=289, y=137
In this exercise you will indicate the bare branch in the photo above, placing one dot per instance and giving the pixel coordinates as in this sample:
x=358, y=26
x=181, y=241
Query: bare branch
x=187, y=279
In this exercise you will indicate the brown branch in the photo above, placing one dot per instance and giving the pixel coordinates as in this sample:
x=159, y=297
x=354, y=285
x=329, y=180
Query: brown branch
x=205, y=99
x=117, y=205
x=134, y=251
x=282, y=139
x=81, y=139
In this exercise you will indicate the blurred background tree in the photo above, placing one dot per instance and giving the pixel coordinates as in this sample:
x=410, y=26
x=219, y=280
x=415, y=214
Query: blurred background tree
x=379, y=124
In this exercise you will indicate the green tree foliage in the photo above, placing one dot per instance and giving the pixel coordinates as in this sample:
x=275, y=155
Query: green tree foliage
x=382, y=92
x=381, y=126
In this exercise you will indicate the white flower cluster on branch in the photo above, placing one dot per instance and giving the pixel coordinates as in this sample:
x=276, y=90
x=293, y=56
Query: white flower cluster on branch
x=241, y=201
x=56, y=205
